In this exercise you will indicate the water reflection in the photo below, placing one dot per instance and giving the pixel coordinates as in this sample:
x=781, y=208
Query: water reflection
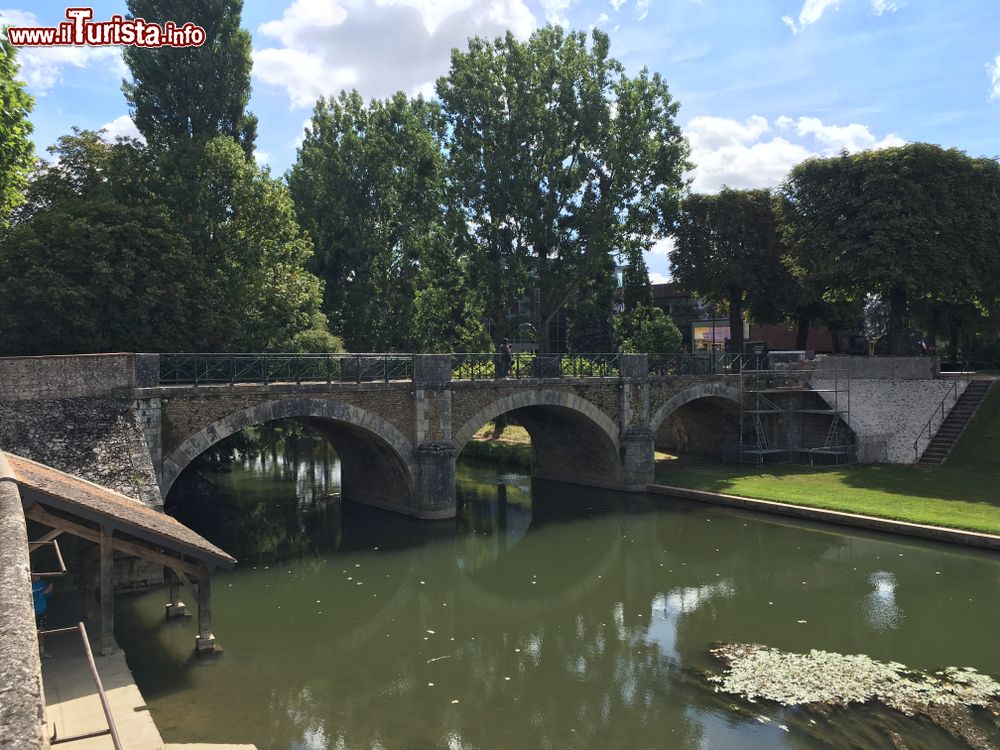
x=880, y=605
x=544, y=616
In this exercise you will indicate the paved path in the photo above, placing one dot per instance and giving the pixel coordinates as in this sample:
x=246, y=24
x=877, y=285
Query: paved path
x=72, y=705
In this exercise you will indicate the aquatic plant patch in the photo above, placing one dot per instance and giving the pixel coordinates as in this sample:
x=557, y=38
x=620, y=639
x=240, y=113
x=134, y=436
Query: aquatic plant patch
x=825, y=679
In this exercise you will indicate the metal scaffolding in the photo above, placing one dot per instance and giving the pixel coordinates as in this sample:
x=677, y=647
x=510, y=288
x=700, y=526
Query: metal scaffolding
x=789, y=416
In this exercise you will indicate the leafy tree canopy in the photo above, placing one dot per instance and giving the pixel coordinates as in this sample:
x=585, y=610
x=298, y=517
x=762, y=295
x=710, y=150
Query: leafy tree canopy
x=369, y=188
x=556, y=158
x=728, y=249
x=900, y=223
x=16, y=149
x=93, y=264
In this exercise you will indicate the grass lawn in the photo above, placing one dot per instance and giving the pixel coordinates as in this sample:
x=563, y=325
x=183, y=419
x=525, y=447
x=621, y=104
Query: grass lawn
x=963, y=493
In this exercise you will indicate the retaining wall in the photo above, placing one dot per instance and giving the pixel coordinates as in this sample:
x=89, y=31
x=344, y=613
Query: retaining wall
x=893, y=410
x=22, y=701
x=68, y=376
x=888, y=368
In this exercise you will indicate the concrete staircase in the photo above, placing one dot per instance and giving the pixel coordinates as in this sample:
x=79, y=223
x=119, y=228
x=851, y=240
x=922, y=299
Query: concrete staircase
x=955, y=423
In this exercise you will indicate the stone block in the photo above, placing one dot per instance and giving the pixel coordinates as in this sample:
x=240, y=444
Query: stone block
x=431, y=368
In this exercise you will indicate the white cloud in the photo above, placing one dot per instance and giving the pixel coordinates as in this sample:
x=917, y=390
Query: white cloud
x=834, y=138
x=261, y=157
x=555, y=11
x=994, y=71
x=662, y=246
x=603, y=18
x=616, y=4
x=42, y=67
x=378, y=47
x=121, y=126
x=736, y=154
x=642, y=8
x=658, y=278
x=811, y=12
x=886, y=6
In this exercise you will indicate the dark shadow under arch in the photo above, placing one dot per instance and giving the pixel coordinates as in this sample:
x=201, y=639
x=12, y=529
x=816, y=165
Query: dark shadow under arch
x=571, y=439
x=377, y=459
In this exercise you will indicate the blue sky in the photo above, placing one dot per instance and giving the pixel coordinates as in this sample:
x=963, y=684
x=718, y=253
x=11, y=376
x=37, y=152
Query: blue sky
x=762, y=84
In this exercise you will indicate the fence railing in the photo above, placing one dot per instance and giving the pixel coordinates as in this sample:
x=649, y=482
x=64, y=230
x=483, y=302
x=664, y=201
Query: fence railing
x=221, y=368
x=207, y=369
x=479, y=366
x=939, y=414
x=111, y=730
x=864, y=452
x=698, y=363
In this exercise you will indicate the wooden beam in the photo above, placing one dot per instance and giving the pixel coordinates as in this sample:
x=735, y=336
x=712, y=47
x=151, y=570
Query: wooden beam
x=45, y=538
x=36, y=513
x=187, y=584
x=107, y=591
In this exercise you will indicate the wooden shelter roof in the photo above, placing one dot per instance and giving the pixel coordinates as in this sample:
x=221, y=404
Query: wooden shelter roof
x=79, y=497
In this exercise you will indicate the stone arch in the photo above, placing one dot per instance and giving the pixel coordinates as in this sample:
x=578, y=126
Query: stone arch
x=527, y=398
x=359, y=437
x=698, y=420
x=704, y=390
x=571, y=438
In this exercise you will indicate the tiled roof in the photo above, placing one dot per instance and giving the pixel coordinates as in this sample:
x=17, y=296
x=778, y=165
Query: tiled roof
x=124, y=513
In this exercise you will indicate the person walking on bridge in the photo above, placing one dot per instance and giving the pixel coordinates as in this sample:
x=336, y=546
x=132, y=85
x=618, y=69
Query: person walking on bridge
x=505, y=358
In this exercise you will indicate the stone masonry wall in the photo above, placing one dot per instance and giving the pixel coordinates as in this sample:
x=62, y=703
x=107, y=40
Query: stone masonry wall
x=69, y=376
x=892, y=410
x=97, y=437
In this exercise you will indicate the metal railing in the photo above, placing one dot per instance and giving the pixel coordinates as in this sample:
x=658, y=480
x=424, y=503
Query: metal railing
x=698, y=363
x=214, y=369
x=483, y=366
x=940, y=413
x=112, y=729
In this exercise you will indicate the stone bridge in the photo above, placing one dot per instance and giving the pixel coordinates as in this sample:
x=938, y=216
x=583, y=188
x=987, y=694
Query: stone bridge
x=397, y=438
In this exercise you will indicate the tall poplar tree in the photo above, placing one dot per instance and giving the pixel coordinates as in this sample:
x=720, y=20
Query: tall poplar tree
x=194, y=92
x=558, y=158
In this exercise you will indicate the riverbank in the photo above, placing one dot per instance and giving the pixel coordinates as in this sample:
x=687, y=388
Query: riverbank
x=962, y=493
x=511, y=448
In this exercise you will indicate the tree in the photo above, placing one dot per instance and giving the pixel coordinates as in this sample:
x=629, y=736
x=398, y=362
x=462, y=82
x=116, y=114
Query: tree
x=93, y=263
x=197, y=92
x=905, y=223
x=368, y=185
x=248, y=248
x=591, y=310
x=16, y=148
x=649, y=330
x=636, y=289
x=557, y=158
x=728, y=248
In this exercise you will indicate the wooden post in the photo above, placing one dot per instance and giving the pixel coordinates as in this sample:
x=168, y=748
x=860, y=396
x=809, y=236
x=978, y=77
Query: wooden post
x=176, y=608
x=107, y=608
x=205, y=641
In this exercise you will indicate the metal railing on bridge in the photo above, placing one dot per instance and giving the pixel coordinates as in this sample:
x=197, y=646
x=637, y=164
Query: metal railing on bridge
x=209, y=369
x=698, y=363
x=221, y=368
x=525, y=366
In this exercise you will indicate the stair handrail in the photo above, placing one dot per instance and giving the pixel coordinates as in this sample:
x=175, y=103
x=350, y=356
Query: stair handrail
x=929, y=426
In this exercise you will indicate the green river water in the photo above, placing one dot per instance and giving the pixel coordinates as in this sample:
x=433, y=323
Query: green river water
x=544, y=616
